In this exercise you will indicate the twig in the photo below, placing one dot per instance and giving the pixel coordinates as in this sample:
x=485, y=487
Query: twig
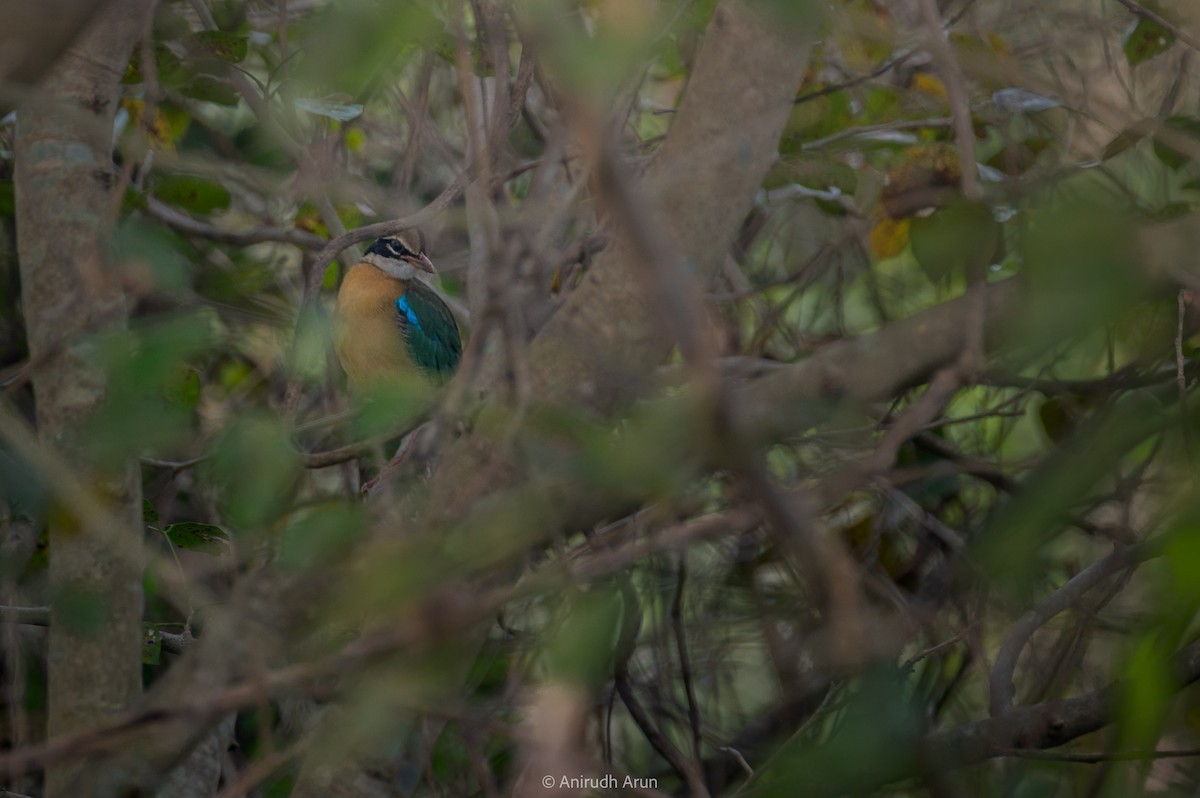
x=659, y=741
x=869, y=130
x=685, y=666
x=1000, y=683
x=186, y=224
x=1096, y=758
x=1181, y=374
x=172, y=642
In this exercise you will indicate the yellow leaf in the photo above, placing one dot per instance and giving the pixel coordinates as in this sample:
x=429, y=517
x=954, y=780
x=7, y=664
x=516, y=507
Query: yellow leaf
x=930, y=84
x=889, y=237
x=356, y=139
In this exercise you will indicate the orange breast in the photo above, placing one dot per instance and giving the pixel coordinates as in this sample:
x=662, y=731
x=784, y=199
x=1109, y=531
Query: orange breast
x=366, y=336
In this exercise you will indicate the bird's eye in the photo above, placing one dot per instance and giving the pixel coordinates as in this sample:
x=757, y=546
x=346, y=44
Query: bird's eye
x=398, y=249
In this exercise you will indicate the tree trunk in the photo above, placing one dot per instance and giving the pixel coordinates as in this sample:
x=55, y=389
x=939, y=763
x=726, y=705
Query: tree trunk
x=62, y=182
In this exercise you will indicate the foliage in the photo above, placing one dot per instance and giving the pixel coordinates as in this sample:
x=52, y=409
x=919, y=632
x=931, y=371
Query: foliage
x=669, y=591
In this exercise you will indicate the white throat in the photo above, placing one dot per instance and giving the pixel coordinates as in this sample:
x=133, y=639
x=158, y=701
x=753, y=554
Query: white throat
x=400, y=269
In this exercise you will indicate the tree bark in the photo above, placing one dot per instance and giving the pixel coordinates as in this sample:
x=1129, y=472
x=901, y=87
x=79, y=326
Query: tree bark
x=64, y=169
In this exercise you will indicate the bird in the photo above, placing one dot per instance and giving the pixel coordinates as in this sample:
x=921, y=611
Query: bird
x=390, y=325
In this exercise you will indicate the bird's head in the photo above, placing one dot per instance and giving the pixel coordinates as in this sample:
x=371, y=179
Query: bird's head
x=401, y=255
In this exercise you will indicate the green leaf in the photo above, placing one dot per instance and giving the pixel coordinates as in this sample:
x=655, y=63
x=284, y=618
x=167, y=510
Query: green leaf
x=217, y=44
x=183, y=387
x=1129, y=137
x=1145, y=692
x=595, y=634
x=955, y=239
x=1172, y=210
x=1174, y=129
x=150, y=256
x=136, y=415
x=166, y=65
x=192, y=193
x=1145, y=40
x=151, y=645
x=343, y=112
x=203, y=538
x=149, y=514
x=209, y=89
x=256, y=467
x=316, y=535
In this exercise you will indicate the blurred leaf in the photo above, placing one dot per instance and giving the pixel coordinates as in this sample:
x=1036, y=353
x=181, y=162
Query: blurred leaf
x=1020, y=526
x=150, y=257
x=149, y=514
x=22, y=488
x=356, y=139
x=318, y=534
x=1081, y=260
x=389, y=405
x=1146, y=39
x=256, y=468
x=1145, y=690
x=210, y=89
x=167, y=66
x=876, y=725
x=865, y=32
x=587, y=642
x=350, y=46
x=956, y=239
x=136, y=415
x=1018, y=100
x=1176, y=126
x=342, y=112
x=931, y=84
x=889, y=237
x=814, y=119
x=165, y=129
x=1129, y=137
x=1172, y=210
x=195, y=194
x=203, y=538
x=1059, y=416
x=183, y=387
x=169, y=23
x=217, y=44
x=151, y=645
x=329, y=280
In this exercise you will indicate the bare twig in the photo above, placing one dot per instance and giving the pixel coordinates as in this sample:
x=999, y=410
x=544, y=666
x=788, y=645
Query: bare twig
x=186, y=224
x=684, y=767
x=1000, y=684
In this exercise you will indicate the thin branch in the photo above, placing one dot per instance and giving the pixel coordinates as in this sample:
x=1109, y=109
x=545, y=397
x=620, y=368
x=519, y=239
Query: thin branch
x=186, y=224
x=685, y=665
x=1099, y=757
x=659, y=741
x=172, y=642
x=1000, y=684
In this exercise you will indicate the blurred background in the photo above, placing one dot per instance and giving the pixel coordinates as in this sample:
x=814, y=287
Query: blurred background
x=824, y=424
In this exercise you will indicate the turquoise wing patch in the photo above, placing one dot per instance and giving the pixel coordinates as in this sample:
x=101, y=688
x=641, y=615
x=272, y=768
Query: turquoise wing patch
x=429, y=331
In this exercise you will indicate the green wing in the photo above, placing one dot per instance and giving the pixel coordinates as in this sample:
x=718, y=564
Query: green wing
x=429, y=331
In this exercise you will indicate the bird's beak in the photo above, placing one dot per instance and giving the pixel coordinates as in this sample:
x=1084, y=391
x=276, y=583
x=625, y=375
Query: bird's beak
x=423, y=263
